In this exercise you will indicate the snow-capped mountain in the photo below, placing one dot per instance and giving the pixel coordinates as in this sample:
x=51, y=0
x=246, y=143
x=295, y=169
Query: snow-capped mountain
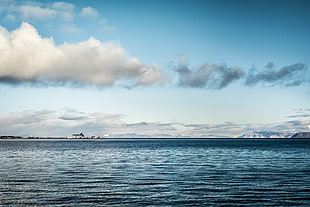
x=264, y=134
x=301, y=135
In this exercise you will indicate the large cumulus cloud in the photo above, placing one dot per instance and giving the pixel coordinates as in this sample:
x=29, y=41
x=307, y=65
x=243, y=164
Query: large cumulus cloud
x=26, y=57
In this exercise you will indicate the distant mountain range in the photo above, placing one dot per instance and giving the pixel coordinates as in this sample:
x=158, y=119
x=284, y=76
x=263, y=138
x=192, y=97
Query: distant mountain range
x=261, y=134
x=270, y=134
x=301, y=135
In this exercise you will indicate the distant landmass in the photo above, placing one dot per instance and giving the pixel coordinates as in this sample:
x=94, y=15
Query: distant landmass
x=255, y=135
x=73, y=137
x=265, y=134
x=301, y=135
x=270, y=134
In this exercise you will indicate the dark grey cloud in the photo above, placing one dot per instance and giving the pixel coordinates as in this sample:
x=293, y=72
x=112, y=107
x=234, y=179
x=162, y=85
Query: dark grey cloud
x=16, y=81
x=137, y=124
x=216, y=76
x=209, y=76
x=292, y=75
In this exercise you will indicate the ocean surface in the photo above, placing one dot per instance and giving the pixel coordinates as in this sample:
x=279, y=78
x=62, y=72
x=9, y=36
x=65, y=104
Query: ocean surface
x=155, y=172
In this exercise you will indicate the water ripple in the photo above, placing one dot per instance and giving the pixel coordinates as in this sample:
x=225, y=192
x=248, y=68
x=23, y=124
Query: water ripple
x=154, y=172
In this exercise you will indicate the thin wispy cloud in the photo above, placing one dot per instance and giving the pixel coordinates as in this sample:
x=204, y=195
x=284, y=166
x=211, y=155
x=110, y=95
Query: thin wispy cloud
x=226, y=129
x=28, y=58
x=60, y=16
x=36, y=12
x=89, y=12
x=31, y=10
x=64, y=6
x=301, y=113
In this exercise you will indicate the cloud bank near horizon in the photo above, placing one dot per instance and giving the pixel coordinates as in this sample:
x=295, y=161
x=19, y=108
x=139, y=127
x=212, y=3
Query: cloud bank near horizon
x=27, y=58
x=68, y=121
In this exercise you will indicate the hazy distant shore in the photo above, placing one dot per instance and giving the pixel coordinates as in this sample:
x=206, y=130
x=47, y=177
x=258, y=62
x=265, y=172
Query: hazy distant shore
x=20, y=137
x=297, y=135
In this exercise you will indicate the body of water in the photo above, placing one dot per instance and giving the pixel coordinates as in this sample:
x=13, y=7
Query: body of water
x=158, y=172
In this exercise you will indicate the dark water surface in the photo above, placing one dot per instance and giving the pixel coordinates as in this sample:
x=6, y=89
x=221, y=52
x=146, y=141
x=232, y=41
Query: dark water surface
x=174, y=172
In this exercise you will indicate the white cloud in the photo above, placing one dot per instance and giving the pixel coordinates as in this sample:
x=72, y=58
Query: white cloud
x=63, y=6
x=10, y=18
x=26, y=57
x=53, y=14
x=89, y=12
x=32, y=10
x=64, y=10
x=70, y=29
x=36, y=12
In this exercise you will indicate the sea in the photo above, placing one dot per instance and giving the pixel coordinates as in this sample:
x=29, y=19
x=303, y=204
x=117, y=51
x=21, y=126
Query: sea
x=155, y=172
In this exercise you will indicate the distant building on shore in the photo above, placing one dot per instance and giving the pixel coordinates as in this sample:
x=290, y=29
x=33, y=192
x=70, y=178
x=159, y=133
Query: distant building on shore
x=78, y=135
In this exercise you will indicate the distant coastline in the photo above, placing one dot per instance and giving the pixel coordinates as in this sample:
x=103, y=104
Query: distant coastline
x=299, y=135
x=31, y=137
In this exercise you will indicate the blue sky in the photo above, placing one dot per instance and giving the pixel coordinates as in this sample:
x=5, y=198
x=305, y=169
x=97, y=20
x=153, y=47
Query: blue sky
x=154, y=68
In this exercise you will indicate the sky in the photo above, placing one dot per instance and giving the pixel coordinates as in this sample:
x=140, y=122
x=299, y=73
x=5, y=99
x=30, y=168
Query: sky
x=173, y=68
